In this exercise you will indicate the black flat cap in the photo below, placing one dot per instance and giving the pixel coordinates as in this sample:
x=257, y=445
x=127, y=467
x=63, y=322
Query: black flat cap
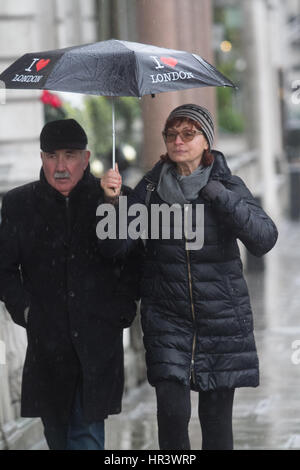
x=63, y=134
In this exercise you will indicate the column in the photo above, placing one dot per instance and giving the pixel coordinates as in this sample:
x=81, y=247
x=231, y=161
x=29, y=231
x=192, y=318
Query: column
x=175, y=24
x=157, y=26
x=21, y=119
x=21, y=116
x=262, y=100
x=194, y=30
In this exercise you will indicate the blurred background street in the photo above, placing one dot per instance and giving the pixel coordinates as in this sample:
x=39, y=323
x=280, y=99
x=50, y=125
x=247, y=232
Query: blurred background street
x=256, y=45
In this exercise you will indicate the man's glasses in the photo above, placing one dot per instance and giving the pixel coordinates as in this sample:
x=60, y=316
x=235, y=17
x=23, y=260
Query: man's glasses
x=185, y=135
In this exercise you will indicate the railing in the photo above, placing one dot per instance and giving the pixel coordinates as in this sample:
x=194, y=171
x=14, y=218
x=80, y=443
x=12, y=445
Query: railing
x=13, y=347
x=246, y=166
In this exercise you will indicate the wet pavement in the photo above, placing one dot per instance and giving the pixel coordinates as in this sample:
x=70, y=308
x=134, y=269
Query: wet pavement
x=266, y=417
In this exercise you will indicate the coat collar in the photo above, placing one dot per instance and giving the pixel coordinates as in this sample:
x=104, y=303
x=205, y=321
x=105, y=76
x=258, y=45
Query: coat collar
x=48, y=192
x=220, y=169
x=55, y=208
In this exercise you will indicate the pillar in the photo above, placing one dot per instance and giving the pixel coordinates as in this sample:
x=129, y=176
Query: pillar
x=262, y=103
x=175, y=24
x=157, y=26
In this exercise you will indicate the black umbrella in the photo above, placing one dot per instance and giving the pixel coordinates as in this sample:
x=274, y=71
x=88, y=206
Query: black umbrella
x=112, y=68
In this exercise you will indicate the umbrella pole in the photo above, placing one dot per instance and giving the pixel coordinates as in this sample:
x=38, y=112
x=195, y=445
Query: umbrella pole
x=113, y=134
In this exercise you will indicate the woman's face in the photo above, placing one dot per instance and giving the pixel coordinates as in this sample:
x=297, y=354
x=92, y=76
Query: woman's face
x=186, y=153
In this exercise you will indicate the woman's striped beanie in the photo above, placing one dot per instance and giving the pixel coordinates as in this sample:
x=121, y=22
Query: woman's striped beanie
x=198, y=114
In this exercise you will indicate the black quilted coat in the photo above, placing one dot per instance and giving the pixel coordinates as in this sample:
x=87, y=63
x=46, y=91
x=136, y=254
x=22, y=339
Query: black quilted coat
x=196, y=313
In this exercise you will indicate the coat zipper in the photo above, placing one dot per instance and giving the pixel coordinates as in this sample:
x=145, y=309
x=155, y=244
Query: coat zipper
x=192, y=369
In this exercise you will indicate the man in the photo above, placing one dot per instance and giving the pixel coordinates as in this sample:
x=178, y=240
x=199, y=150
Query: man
x=72, y=302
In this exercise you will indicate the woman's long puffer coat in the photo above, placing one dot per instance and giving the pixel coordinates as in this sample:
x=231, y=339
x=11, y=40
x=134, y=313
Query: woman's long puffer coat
x=196, y=313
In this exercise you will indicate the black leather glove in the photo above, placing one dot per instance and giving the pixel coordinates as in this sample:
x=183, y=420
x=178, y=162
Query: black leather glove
x=122, y=311
x=212, y=190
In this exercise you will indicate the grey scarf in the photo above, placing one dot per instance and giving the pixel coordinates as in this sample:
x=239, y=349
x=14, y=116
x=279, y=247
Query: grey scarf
x=175, y=188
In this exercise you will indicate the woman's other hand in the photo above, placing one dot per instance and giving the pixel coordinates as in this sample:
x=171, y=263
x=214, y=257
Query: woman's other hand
x=212, y=190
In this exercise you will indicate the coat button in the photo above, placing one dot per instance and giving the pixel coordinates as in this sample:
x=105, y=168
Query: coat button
x=75, y=334
x=71, y=294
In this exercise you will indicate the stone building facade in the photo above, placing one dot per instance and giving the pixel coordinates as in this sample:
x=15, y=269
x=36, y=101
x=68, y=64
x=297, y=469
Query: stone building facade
x=28, y=26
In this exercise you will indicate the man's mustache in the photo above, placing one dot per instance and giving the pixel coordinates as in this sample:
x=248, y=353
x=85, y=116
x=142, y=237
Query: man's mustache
x=58, y=175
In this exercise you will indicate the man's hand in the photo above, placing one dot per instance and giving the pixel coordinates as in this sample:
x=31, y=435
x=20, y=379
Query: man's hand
x=111, y=183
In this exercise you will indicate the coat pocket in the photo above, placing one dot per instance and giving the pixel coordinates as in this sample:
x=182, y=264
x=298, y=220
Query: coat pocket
x=234, y=297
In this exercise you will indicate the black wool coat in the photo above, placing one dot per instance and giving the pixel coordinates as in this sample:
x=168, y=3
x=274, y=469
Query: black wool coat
x=196, y=313
x=78, y=301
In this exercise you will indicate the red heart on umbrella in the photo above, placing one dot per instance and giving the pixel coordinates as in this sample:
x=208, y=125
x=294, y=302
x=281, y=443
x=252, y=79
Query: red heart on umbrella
x=169, y=61
x=42, y=64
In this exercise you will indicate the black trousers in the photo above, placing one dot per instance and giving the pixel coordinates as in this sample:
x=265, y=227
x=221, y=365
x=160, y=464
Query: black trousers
x=174, y=413
x=77, y=434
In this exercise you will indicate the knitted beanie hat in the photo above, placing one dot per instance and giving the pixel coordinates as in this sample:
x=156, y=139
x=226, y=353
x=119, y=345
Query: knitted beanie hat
x=198, y=114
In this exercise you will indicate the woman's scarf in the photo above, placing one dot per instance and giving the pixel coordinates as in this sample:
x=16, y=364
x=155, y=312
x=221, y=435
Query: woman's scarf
x=175, y=188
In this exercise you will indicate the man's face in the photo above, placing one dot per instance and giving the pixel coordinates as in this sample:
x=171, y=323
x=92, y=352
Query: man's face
x=64, y=168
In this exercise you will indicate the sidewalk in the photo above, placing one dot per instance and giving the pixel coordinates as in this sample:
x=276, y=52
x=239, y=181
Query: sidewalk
x=267, y=417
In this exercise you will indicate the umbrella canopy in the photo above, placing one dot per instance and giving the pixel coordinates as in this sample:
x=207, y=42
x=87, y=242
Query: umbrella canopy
x=112, y=68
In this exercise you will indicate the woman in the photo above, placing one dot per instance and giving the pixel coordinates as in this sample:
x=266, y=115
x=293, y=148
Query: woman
x=196, y=314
